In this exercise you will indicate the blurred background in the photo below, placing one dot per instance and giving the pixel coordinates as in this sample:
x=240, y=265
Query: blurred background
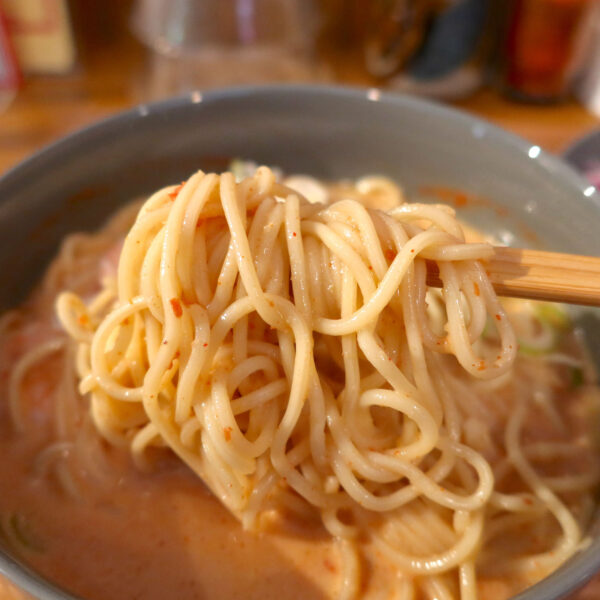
x=531, y=66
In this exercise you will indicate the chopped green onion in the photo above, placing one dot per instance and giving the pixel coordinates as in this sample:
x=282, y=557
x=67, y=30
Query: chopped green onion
x=577, y=378
x=545, y=343
x=554, y=315
x=18, y=531
x=554, y=322
x=238, y=168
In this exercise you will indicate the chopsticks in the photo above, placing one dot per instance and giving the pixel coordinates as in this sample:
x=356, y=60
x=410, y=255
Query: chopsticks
x=539, y=275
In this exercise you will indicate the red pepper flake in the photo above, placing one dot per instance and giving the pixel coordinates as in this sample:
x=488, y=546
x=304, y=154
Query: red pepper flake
x=83, y=320
x=498, y=318
x=476, y=288
x=199, y=223
x=528, y=501
x=177, y=355
x=205, y=345
x=176, y=306
x=227, y=433
x=390, y=255
x=330, y=566
x=481, y=366
x=454, y=196
x=460, y=200
x=176, y=191
x=370, y=268
x=412, y=250
x=294, y=233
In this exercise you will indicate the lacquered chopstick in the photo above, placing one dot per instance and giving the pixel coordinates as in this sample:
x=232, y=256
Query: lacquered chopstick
x=539, y=275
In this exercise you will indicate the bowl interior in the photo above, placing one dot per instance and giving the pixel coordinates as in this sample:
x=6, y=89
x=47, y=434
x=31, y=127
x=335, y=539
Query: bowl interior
x=516, y=191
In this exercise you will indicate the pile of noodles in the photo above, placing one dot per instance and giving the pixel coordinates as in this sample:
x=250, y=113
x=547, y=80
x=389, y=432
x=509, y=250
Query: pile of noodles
x=292, y=355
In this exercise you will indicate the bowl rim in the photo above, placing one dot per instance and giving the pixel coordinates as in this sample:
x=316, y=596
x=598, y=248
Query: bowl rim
x=97, y=128
x=580, y=568
x=568, y=154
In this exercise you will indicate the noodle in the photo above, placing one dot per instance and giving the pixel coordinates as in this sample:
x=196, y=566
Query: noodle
x=291, y=354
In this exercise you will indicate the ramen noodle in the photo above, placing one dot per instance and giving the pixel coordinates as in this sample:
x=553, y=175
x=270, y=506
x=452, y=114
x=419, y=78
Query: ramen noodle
x=266, y=352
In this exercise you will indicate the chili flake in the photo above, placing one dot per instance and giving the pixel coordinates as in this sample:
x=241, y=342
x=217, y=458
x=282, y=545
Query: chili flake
x=176, y=306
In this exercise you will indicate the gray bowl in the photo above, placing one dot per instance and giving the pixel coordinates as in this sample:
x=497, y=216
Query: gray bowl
x=523, y=194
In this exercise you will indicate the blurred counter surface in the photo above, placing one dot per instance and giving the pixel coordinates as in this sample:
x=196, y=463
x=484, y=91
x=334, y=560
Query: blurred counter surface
x=109, y=77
